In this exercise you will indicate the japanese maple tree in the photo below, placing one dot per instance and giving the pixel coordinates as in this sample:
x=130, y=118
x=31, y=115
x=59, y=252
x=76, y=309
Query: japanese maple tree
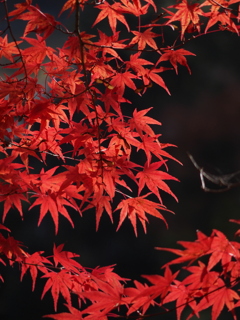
x=67, y=102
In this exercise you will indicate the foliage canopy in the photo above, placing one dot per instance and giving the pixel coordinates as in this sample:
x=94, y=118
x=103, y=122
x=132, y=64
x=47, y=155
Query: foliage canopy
x=65, y=102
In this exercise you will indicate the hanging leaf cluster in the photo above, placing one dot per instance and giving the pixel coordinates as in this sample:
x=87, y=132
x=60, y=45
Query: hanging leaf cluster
x=64, y=104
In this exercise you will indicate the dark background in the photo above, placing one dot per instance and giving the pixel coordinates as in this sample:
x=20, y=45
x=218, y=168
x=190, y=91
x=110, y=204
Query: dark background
x=201, y=117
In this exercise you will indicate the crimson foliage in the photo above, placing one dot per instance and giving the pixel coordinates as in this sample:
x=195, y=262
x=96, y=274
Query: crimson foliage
x=67, y=102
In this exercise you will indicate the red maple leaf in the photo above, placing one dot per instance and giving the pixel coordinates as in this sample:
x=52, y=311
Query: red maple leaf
x=108, y=44
x=12, y=200
x=21, y=7
x=152, y=146
x=140, y=122
x=58, y=282
x=153, y=179
x=113, y=12
x=38, y=50
x=38, y=22
x=134, y=7
x=137, y=64
x=218, y=298
x=137, y=298
x=134, y=208
x=109, y=298
x=144, y=38
x=225, y=18
x=222, y=250
x=8, y=49
x=160, y=287
x=121, y=80
x=74, y=314
x=55, y=204
x=102, y=204
x=11, y=248
x=34, y=263
x=152, y=75
x=193, y=250
x=186, y=14
x=65, y=259
x=217, y=5
x=200, y=278
x=175, y=57
x=183, y=297
x=71, y=4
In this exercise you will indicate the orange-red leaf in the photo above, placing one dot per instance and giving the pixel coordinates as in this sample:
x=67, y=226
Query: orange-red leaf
x=8, y=49
x=193, y=250
x=65, y=258
x=74, y=315
x=152, y=75
x=219, y=297
x=113, y=12
x=58, y=282
x=54, y=204
x=186, y=13
x=134, y=208
x=153, y=179
x=140, y=122
x=144, y=38
x=175, y=57
x=34, y=263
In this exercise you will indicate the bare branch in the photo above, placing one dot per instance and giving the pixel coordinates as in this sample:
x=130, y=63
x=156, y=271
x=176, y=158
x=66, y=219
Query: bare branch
x=224, y=181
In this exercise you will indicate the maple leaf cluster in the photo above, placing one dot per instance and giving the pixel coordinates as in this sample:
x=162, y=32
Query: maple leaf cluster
x=66, y=103
x=201, y=285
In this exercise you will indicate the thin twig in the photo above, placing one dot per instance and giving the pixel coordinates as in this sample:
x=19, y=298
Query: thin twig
x=224, y=180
